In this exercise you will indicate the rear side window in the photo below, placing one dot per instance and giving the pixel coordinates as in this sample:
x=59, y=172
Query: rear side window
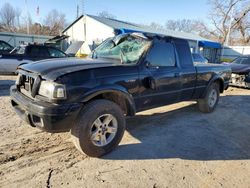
x=162, y=54
x=55, y=53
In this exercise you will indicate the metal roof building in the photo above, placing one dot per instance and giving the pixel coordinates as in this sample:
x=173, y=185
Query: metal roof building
x=92, y=30
x=16, y=39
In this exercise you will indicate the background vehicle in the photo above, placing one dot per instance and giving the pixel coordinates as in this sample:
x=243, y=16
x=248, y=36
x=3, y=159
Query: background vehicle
x=26, y=54
x=198, y=58
x=240, y=71
x=5, y=48
x=126, y=74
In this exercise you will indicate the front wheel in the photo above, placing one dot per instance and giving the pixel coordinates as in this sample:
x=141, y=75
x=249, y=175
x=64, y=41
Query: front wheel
x=210, y=101
x=99, y=128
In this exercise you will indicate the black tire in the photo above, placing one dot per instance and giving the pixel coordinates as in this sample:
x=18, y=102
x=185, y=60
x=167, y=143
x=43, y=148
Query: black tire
x=83, y=129
x=205, y=104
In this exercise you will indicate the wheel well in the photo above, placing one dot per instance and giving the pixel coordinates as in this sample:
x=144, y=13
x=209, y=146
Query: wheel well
x=117, y=98
x=221, y=84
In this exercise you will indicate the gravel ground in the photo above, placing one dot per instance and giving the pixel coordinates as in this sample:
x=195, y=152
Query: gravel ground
x=172, y=146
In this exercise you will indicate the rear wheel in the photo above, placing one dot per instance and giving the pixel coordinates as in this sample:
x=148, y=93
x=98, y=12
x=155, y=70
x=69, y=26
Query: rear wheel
x=210, y=101
x=99, y=128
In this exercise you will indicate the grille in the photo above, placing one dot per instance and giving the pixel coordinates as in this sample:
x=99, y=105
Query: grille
x=28, y=84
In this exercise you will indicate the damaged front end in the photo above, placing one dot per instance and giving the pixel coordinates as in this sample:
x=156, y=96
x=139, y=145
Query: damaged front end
x=241, y=80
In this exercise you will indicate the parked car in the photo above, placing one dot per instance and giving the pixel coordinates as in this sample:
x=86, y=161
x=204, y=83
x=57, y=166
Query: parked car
x=240, y=71
x=198, y=58
x=124, y=75
x=27, y=54
x=5, y=47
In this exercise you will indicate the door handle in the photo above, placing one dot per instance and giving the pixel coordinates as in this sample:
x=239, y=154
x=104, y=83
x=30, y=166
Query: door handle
x=150, y=83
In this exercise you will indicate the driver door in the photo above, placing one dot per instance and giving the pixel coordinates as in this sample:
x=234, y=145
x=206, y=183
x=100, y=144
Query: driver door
x=160, y=76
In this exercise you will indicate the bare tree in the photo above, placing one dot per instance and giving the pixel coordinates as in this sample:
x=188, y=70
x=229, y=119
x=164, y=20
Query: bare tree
x=244, y=29
x=18, y=16
x=1, y=27
x=226, y=17
x=26, y=25
x=243, y=25
x=55, y=21
x=106, y=14
x=156, y=26
x=8, y=17
x=184, y=25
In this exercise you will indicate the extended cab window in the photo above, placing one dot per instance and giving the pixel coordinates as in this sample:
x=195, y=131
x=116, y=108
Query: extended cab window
x=162, y=54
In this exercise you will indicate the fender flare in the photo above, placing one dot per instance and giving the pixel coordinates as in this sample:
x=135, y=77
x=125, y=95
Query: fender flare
x=112, y=89
x=214, y=78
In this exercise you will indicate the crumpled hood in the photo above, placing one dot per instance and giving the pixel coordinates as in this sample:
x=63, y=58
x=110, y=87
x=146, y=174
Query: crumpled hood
x=53, y=68
x=238, y=68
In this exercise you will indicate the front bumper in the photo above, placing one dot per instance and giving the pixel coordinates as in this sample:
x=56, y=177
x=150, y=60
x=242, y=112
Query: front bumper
x=240, y=80
x=46, y=116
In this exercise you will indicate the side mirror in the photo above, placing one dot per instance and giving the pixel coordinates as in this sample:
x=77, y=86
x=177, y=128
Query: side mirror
x=149, y=65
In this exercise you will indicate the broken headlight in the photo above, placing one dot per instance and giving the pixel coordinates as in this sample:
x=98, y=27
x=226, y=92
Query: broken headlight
x=52, y=90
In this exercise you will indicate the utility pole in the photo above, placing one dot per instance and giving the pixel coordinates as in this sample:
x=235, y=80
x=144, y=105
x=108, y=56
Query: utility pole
x=83, y=7
x=77, y=11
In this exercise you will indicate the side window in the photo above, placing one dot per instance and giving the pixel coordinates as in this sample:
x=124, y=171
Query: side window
x=43, y=52
x=237, y=60
x=1, y=46
x=55, y=53
x=4, y=46
x=162, y=54
x=33, y=51
x=246, y=61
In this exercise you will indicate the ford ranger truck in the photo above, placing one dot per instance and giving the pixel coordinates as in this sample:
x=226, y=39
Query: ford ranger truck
x=126, y=74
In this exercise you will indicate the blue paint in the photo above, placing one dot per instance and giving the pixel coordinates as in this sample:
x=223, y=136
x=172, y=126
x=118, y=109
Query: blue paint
x=209, y=44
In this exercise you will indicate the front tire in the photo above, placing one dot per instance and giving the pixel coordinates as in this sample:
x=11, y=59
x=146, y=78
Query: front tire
x=99, y=129
x=211, y=99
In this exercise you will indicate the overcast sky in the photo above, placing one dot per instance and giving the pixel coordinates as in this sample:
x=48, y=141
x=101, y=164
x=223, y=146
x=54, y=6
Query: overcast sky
x=137, y=11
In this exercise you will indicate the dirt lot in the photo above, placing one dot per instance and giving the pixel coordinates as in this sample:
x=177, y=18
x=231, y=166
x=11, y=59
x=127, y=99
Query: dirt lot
x=172, y=146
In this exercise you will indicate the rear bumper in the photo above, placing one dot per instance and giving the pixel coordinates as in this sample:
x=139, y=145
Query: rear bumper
x=46, y=116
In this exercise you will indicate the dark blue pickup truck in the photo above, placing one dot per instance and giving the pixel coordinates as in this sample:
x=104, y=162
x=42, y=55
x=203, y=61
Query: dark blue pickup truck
x=124, y=75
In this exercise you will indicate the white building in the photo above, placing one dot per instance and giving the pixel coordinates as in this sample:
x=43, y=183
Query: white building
x=92, y=30
x=231, y=52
